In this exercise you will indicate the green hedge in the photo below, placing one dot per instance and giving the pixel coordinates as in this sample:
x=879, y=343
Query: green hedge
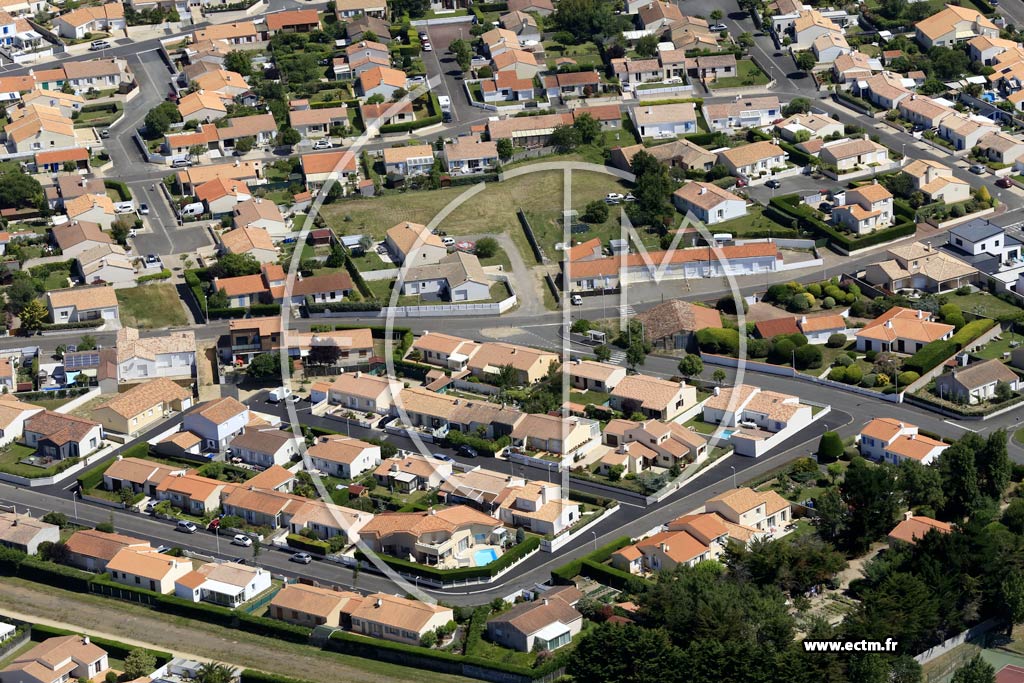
x=17, y=563
x=798, y=156
x=117, y=186
x=971, y=331
x=162, y=275
x=483, y=446
x=806, y=220
x=570, y=570
x=342, y=307
x=357, y=278
x=530, y=544
x=930, y=355
x=253, y=676
x=308, y=544
x=591, y=499
x=80, y=325
x=114, y=648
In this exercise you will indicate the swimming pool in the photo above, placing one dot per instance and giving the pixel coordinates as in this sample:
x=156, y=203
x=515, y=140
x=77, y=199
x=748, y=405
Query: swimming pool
x=727, y=433
x=484, y=557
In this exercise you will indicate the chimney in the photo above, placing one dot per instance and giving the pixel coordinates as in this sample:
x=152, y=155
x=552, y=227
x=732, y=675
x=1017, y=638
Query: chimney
x=85, y=640
x=927, y=246
x=378, y=602
x=888, y=324
x=544, y=601
x=920, y=315
x=664, y=547
x=803, y=320
x=866, y=136
x=432, y=512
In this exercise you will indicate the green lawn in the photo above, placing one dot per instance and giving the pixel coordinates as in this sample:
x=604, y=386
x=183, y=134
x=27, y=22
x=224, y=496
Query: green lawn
x=57, y=279
x=584, y=54
x=585, y=397
x=748, y=73
x=10, y=458
x=754, y=221
x=700, y=426
x=984, y=304
x=151, y=306
x=1018, y=437
x=52, y=403
x=370, y=261
x=997, y=347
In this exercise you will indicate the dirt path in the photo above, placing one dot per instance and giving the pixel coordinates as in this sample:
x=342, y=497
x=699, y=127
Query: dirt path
x=126, y=622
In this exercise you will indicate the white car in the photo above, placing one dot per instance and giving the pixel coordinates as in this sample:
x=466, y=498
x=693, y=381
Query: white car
x=124, y=207
x=98, y=45
x=323, y=144
x=427, y=47
x=613, y=198
x=718, y=27
x=577, y=300
x=448, y=241
x=242, y=540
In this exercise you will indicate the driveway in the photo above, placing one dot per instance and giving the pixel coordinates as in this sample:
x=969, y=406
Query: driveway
x=440, y=62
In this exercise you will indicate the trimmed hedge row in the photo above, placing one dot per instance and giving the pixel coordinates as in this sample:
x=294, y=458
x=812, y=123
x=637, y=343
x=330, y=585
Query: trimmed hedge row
x=933, y=353
x=17, y=563
x=80, y=325
x=162, y=275
x=114, y=648
x=253, y=676
x=120, y=188
x=517, y=552
x=568, y=571
x=342, y=307
x=308, y=544
x=806, y=220
x=971, y=331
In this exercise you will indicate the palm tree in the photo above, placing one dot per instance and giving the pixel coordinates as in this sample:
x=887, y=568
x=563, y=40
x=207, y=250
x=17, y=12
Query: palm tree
x=214, y=672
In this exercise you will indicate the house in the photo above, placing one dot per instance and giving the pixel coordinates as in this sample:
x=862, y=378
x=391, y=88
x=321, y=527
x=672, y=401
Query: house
x=343, y=457
x=656, y=16
x=903, y=330
x=345, y=9
x=985, y=49
x=321, y=167
x=66, y=103
x=411, y=160
x=37, y=127
x=635, y=72
x=507, y=86
x=829, y=47
x=92, y=208
x=867, y=208
x=260, y=128
x=228, y=584
x=755, y=414
x=412, y=244
x=359, y=392
x=852, y=155
x=589, y=375
x=444, y=537
x=754, y=160
x=91, y=550
x=357, y=28
x=398, y=619
x=142, y=406
x=743, y=112
x=762, y=510
x=937, y=181
x=458, y=277
x=202, y=106
x=885, y=90
x=259, y=213
x=655, y=398
x=244, y=290
x=809, y=26
x=106, y=263
x=1001, y=147
x=217, y=422
x=924, y=111
x=76, y=237
x=265, y=447
x=678, y=154
x=565, y=85
x=983, y=245
x=250, y=240
x=523, y=64
x=444, y=350
x=522, y=24
x=221, y=196
x=977, y=382
x=234, y=34
x=665, y=120
x=527, y=131
x=916, y=527
x=380, y=80
x=171, y=355
x=94, y=75
x=661, y=444
x=808, y=126
x=673, y=324
x=375, y=116
x=411, y=471
x=467, y=155
x=531, y=365
x=952, y=26
x=57, y=436
x=106, y=18
x=542, y=7
x=709, y=203
x=13, y=414
x=56, y=660
x=854, y=66
x=966, y=132
x=667, y=550
x=322, y=289
x=25, y=533
x=68, y=186
x=54, y=161
x=317, y=123
x=293, y=21
x=499, y=40
x=885, y=439
x=148, y=569
x=191, y=493
x=547, y=623
x=819, y=328
x=138, y=475
x=709, y=68
x=311, y=606
x=551, y=434
x=919, y=266
x=227, y=84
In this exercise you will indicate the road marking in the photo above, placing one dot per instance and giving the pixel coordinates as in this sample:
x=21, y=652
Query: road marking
x=954, y=424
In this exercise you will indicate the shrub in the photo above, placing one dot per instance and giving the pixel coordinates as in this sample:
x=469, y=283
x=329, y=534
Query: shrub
x=854, y=374
x=907, y=377
x=799, y=303
x=837, y=374
x=721, y=341
x=931, y=355
x=828, y=303
x=843, y=361
x=971, y=331
x=727, y=305
x=830, y=447
x=808, y=357
x=758, y=348
x=869, y=380
x=814, y=289
x=836, y=341
x=782, y=352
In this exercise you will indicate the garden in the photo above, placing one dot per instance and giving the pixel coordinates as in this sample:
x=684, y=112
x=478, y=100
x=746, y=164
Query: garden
x=747, y=74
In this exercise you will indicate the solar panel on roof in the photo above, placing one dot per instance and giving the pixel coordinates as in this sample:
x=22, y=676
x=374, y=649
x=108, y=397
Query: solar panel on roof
x=83, y=359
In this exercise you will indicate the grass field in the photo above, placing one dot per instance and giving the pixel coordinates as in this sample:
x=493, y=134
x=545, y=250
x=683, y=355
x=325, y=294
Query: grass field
x=997, y=347
x=9, y=462
x=493, y=210
x=748, y=73
x=981, y=303
x=754, y=221
x=151, y=306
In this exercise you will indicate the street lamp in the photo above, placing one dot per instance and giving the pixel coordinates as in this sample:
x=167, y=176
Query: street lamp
x=733, y=468
x=74, y=502
x=595, y=539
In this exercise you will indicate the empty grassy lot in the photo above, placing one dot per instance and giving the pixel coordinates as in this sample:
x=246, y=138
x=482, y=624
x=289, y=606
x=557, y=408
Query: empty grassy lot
x=151, y=306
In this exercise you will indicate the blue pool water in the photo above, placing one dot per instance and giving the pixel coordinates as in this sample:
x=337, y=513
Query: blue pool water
x=727, y=433
x=484, y=557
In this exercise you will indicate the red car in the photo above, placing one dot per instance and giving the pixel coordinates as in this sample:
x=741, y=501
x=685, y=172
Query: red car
x=1004, y=182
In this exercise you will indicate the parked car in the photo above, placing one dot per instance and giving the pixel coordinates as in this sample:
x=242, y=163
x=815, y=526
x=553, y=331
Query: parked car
x=443, y=456
x=427, y=47
x=143, y=209
x=301, y=558
x=99, y=45
x=448, y=241
x=104, y=133
x=152, y=259
x=185, y=526
x=773, y=184
x=323, y=144
x=718, y=27
x=1004, y=182
x=124, y=207
x=977, y=169
x=629, y=197
x=577, y=300
x=467, y=451
x=242, y=540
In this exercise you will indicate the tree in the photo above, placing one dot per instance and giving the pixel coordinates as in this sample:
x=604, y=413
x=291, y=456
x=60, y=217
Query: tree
x=236, y=265
x=647, y=46
x=588, y=128
x=505, y=149
x=19, y=190
x=213, y=672
x=463, y=53
x=977, y=670
x=691, y=366
x=718, y=376
x=921, y=485
x=808, y=356
x=602, y=353
x=33, y=316
x=628, y=653
x=324, y=354
x=159, y=119
x=806, y=61
x=798, y=105
x=506, y=377
x=21, y=291
x=948, y=63
x=745, y=40
x=654, y=186
x=487, y=247
x=138, y=663
x=833, y=514
x=58, y=519
x=872, y=496
x=245, y=144
x=1003, y=391
x=289, y=137
x=595, y=212
x=565, y=138
x=1011, y=592
x=335, y=259
x=830, y=447
x=265, y=366
x=239, y=62
x=583, y=19
x=87, y=343
x=959, y=473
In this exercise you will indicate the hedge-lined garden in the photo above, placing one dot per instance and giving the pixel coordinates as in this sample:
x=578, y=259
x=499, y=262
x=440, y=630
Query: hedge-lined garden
x=791, y=213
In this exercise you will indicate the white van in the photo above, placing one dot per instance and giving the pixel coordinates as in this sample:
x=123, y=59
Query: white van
x=279, y=394
x=193, y=209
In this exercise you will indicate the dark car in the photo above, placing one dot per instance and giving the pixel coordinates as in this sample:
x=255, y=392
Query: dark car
x=773, y=184
x=825, y=207
x=442, y=456
x=467, y=451
x=1004, y=182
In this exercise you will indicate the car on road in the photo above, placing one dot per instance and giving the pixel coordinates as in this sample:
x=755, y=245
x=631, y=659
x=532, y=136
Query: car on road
x=448, y=241
x=185, y=526
x=773, y=184
x=415, y=80
x=613, y=198
x=124, y=207
x=143, y=209
x=1004, y=182
x=99, y=45
x=152, y=259
x=424, y=36
x=577, y=300
x=443, y=456
x=242, y=540
x=977, y=169
x=104, y=133
x=467, y=451
x=301, y=558
x=426, y=46
x=718, y=27
x=777, y=54
x=323, y=144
